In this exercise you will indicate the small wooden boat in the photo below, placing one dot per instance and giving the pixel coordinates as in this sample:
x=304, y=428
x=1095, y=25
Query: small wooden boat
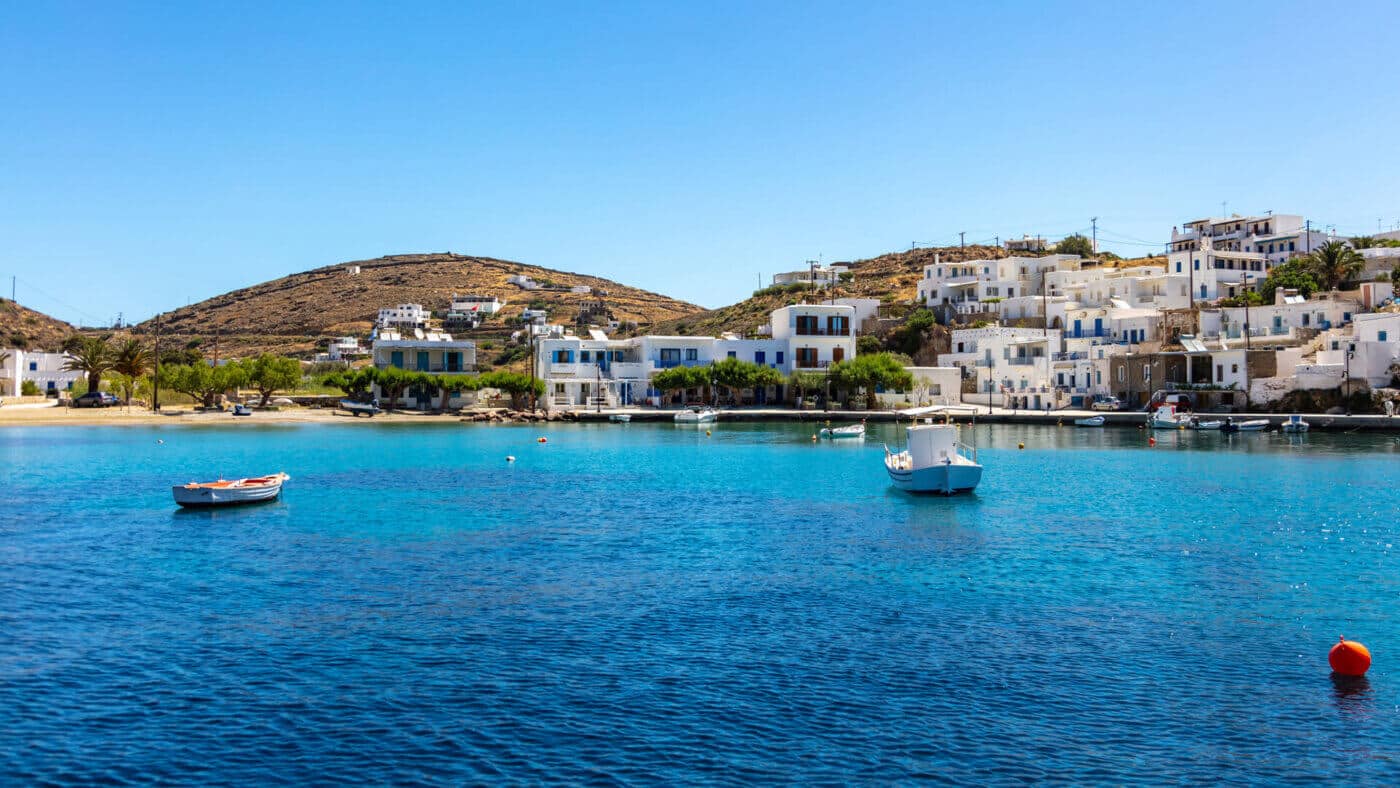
x=697, y=415
x=1252, y=425
x=1295, y=424
x=1166, y=417
x=854, y=431
x=620, y=418
x=1091, y=421
x=934, y=460
x=258, y=489
x=370, y=409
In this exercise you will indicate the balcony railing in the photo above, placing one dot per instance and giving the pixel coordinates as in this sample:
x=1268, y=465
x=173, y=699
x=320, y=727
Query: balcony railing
x=669, y=363
x=821, y=332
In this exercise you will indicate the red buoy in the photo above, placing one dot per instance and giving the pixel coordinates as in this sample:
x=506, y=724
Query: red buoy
x=1151, y=441
x=1349, y=658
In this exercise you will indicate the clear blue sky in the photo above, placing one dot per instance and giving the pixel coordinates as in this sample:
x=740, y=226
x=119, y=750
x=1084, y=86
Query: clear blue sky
x=152, y=154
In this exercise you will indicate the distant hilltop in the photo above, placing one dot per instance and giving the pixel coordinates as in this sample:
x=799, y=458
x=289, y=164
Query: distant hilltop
x=297, y=313
x=25, y=329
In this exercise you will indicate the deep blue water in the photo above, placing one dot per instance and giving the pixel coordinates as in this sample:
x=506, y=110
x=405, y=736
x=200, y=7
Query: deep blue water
x=647, y=604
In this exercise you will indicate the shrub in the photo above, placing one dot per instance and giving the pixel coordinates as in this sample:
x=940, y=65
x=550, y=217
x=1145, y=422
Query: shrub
x=29, y=388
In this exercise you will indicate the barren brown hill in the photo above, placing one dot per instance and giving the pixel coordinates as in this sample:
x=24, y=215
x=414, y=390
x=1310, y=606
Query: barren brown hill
x=893, y=278
x=23, y=328
x=297, y=313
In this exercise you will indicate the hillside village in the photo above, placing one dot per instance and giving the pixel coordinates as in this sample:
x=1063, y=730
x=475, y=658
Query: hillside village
x=1238, y=313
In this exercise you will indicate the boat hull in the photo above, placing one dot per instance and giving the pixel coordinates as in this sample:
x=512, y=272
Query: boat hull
x=691, y=417
x=843, y=433
x=1092, y=421
x=205, y=497
x=948, y=479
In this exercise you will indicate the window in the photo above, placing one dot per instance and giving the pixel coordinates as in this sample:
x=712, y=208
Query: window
x=1381, y=336
x=935, y=389
x=1178, y=266
x=1098, y=376
x=732, y=354
x=1196, y=264
x=1291, y=246
x=670, y=355
x=807, y=325
x=1146, y=371
x=759, y=357
x=33, y=366
x=779, y=357
x=806, y=357
x=583, y=356
x=1219, y=372
x=1120, y=375
x=692, y=354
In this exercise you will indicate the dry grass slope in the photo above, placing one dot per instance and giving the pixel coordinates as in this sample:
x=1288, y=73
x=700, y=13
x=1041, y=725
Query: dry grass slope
x=23, y=328
x=293, y=314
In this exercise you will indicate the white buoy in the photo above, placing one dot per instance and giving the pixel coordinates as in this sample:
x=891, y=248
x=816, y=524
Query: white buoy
x=510, y=458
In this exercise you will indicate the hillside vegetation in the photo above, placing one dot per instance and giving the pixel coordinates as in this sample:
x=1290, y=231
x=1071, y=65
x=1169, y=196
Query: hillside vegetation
x=23, y=328
x=297, y=313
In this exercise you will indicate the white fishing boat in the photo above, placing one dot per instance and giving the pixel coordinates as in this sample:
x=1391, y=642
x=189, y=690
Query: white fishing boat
x=620, y=418
x=258, y=489
x=935, y=460
x=1209, y=424
x=1295, y=424
x=1091, y=421
x=1166, y=417
x=850, y=432
x=1251, y=425
x=697, y=414
x=370, y=409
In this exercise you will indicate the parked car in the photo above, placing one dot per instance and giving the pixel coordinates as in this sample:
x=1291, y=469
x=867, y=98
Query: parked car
x=1107, y=403
x=96, y=399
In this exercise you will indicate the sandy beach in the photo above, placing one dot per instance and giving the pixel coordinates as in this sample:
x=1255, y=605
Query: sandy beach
x=29, y=416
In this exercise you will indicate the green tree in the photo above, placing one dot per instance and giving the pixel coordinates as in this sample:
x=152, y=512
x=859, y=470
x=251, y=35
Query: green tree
x=449, y=384
x=519, y=386
x=1363, y=242
x=871, y=373
x=1075, y=244
x=1292, y=275
x=270, y=373
x=909, y=338
x=354, y=382
x=868, y=343
x=1334, y=263
x=392, y=382
x=1395, y=277
x=133, y=360
x=29, y=388
x=89, y=355
x=680, y=379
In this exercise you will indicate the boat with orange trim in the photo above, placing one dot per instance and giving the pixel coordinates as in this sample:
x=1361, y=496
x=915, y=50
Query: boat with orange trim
x=257, y=489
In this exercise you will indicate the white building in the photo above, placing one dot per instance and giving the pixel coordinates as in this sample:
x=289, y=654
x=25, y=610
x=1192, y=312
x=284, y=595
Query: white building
x=1026, y=243
x=968, y=286
x=482, y=304
x=820, y=275
x=1370, y=352
x=431, y=352
x=45, y=370
x=1222, y=257
x=403, y=316
x=1286, y=318
x=523, y=282
x=596, y=371
x=1012, y=367
x=345, y=348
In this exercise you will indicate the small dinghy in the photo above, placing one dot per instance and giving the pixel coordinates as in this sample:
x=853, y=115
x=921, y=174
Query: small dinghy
x=854, y=431
x=1252, y=425
x=1295, y=424
x=1214, y=424
x=242, y=410
x=258, y=489
x=1091, y=421
x=697, y=415
x=620, y=418
x=370, y=408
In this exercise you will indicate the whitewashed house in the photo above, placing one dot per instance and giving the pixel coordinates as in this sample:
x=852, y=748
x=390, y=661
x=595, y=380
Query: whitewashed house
x=404, y=317
x=44, y=370
x=345, y=348
x=1223, y=257
x=1011, y=366
x=819, y=275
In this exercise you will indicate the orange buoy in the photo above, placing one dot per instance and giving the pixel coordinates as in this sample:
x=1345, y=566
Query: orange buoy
x=1151, y=441
x=707, y=433
x=1349, y=658
x=1021, y=445
x=543, y=439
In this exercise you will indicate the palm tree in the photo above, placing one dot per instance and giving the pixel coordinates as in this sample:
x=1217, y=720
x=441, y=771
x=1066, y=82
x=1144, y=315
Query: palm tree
x=88, y=355
x=1334, y=263
x=133, y=360
x=1363, y=242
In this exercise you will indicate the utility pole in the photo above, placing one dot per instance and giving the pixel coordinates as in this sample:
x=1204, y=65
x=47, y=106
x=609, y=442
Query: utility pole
x=998, y=241
x=530, y=333
x=1094, y=223
x=961, y=235
x=1307, y=238
x=12, y=288
x=155, y=376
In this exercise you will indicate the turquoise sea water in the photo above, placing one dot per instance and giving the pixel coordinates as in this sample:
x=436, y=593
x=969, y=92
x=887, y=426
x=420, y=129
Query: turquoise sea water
x=647, y=604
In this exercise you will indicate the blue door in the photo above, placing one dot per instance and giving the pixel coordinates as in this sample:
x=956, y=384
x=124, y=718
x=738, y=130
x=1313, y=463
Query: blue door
x=1078, y=328
x=1098, y=326
x=396, y=359
x=423, y=361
